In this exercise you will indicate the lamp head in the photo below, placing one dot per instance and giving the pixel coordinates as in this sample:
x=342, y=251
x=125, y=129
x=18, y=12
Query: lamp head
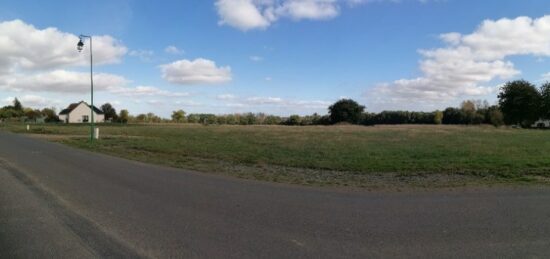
x=80, y=45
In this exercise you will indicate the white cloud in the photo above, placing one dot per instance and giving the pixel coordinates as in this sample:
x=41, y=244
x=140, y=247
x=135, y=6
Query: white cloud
x=33, y=101
x=22, y=46
x=188, y=103
x=277, y=102
x=62, y=81
x=264, y=100
x=546, y=76
x=143, y=55
x=226, y=97
x=242, y=14
x=308, y=9
x=173, y=50
x=198, y=71
x=469, y=62
x=145, y=91
x=260, y=14
x=256, y=58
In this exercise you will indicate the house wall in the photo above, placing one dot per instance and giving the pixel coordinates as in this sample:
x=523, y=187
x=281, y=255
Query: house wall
x=75, y=116
x=541, y=122
x=63, y=117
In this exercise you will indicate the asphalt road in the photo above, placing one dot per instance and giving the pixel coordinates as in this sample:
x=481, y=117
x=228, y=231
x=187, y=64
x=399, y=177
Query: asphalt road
x=59, y=202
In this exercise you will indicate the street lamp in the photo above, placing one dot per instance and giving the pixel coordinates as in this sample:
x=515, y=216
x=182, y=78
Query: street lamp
x=79, y=47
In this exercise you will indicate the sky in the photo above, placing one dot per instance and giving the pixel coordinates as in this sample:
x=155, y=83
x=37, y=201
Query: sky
x=279, y=57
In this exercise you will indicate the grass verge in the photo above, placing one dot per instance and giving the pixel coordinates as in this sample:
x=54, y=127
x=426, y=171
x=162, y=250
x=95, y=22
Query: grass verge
x=371, y=157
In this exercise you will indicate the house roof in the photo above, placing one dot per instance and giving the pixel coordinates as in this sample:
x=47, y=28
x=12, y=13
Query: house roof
x=72, y=106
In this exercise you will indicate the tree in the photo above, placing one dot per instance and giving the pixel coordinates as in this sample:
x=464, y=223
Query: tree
x=193, y=118
x=272, y=120
x=17, y=105
x=438, y=117
x=545, y=100
x=453, y=116
x=50, y=114
x=495, y=116
x=520, y=103
x=123, y=116
x=293, y=120
x=178, y=116
x=346, y=110
x=141, y=117
x=109, y=111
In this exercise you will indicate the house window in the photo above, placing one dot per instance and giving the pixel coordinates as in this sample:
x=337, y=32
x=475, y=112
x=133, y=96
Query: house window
x=85, y=118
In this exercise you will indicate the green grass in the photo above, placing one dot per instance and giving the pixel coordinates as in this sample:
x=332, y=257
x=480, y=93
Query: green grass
x=336, y=155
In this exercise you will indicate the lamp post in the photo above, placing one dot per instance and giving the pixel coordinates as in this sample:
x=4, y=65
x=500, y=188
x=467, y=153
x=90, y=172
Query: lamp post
x=79, y=47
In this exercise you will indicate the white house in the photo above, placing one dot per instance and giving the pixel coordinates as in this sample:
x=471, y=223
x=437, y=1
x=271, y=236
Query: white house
x=80, y=113
x=541, y=124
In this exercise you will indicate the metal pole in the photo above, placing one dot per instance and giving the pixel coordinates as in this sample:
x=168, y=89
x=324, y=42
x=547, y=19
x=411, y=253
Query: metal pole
x=92, y=90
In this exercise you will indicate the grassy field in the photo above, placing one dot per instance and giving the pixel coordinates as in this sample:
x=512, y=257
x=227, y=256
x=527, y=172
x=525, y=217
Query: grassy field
x=337, y=155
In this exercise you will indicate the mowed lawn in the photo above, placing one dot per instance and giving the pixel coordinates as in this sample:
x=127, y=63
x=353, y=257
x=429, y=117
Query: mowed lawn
x=480, y=151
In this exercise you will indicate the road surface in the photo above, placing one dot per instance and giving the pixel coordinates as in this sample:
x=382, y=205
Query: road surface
x=59, y=202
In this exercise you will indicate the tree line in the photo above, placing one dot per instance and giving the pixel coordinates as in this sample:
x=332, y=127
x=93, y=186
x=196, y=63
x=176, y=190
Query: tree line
x=519, y=103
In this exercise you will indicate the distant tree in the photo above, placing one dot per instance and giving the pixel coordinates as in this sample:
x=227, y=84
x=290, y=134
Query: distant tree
x=259, y=118
x=178, y=116
x=109, y=111
x=368, y=119
x=293, y=120
x=545, y=100
x=231, y=119
x=346, y=110
x=438, y=117
x=272, y=120
x=193, y=118
x=32, y=115
x=17, y=105
x=123, y=116
x=141, y=118
x=207, y=119
x=50, y=114
x=222, y=119
x=496, y=118
x=453, y=116
x=248, y=119
x=520, y=103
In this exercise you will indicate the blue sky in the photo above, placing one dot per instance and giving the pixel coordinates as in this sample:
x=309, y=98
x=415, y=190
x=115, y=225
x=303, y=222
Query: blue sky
x=282, y=57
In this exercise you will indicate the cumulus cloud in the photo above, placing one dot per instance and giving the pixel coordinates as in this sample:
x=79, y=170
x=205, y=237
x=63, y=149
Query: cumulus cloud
x=22, y=46
x=198, y=71
x=256, y=58
x=145, y=91
x=33, y=101
x=469, y=62
x=275, y=102
x=143, y=55
x=62, y=81
x=243, y=14
x=260, y=14
x=173, y=50
x=226, y=97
